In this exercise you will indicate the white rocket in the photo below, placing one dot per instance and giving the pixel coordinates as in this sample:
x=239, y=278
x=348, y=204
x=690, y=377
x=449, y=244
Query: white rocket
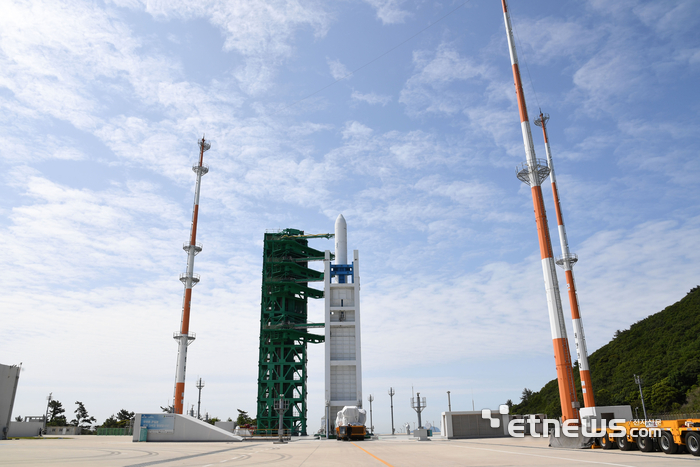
x=341, y=240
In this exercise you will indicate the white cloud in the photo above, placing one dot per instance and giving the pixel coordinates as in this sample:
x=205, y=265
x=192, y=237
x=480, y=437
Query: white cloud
x=88, y=235
x=429, y=91
x=475, y=195
x=551, y=38
x=261, y=31
x=609, y=77
x=389, y=11
x=58, y=58
x=338, y=70
x=371, y=98
x=669, y=18
x=355, y=130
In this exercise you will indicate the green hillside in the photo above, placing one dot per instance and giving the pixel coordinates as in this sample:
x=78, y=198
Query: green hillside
x=663, y=348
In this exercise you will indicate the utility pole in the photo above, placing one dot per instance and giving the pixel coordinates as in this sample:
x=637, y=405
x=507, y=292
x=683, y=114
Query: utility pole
x=640, y=381
x=371, y=423
x=391, y=396
x=449, y=404
x=418, y=405
x=200, y=385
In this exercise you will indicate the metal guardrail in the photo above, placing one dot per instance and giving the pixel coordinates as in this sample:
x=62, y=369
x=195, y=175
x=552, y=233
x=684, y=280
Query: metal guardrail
x=195, y=278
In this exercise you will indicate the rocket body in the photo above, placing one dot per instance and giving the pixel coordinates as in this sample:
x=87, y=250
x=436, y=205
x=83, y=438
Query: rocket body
x=341, y=240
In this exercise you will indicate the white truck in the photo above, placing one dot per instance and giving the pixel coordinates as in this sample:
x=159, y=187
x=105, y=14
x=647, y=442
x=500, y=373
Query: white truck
x=350, y=424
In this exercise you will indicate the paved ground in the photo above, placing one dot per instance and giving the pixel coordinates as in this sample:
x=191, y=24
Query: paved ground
x=392, y=451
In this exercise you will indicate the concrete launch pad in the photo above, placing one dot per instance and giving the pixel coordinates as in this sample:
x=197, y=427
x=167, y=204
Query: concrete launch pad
x=397, y=451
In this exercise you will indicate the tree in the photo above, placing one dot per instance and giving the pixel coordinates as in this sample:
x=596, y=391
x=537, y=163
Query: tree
x=168, y=409
x=82, y=418
x=125, y=417
x=243, y=418
x=212, y=421
x=111, y=422
x=527, y=393
x=18, y=418
x=56, y=411
x=662, y=396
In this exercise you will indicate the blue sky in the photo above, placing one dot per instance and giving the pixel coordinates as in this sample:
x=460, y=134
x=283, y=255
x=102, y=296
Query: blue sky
x=102, y=105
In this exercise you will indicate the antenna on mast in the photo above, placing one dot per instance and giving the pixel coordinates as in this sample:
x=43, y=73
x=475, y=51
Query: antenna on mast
x=567, y=261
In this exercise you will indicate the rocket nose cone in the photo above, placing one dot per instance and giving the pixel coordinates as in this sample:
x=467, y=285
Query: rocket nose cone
x=340, y=220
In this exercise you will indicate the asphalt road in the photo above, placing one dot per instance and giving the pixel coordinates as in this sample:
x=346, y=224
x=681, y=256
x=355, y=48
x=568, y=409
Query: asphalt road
x=397, y=451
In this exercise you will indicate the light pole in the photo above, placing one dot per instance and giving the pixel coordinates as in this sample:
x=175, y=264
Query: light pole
x=640, y=381
x=281, y=407
x=371, y=423
x=449, y=404
x=391, y=395
x=200, y=385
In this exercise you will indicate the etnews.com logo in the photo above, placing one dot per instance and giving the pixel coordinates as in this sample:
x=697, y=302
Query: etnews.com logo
x=570, y=428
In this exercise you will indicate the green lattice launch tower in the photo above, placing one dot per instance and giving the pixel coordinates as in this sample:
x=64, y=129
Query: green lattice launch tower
x=283, y=327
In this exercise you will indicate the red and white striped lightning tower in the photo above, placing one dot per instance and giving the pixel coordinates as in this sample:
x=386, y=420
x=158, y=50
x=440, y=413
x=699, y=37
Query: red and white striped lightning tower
x=533, y=172
x=190, y=279
x=567, y=261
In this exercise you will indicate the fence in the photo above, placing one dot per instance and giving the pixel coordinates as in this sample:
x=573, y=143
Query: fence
x=128, y=431
x=271, y=433
x=673, y=416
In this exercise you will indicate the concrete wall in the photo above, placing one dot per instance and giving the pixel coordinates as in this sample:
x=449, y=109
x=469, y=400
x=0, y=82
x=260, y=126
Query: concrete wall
x=228, y=426
x=9, y=377
x=63, y=430
x=465, y=425
x=180, y=428
x=24, y=429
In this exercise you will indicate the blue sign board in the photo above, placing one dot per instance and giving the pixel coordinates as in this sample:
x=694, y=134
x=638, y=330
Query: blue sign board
x=158, y=423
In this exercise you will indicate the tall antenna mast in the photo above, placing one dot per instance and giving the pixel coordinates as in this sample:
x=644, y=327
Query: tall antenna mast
x=567, y=261
x=533, y=172
x=189, y=279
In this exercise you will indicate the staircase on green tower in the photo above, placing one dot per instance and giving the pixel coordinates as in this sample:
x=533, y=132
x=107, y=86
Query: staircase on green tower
x=283, y=328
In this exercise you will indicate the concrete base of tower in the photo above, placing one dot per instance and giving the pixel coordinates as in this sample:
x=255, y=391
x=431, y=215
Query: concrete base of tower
x=166, y=427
